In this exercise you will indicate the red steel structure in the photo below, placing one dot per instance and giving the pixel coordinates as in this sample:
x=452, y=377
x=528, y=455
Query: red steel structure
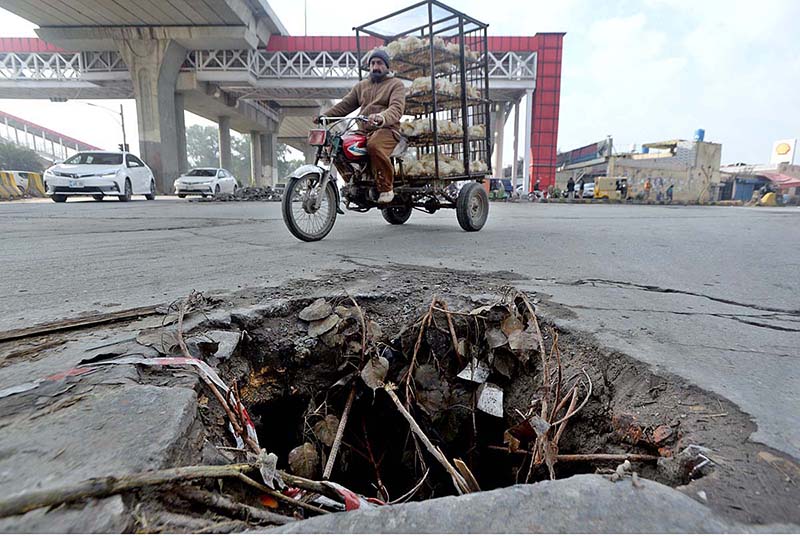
x=545, y=100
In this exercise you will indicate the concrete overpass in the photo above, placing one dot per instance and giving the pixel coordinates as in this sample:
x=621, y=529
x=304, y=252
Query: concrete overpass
x=232, y=62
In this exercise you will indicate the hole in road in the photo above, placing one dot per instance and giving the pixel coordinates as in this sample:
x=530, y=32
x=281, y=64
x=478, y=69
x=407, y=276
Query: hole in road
x=296, y=386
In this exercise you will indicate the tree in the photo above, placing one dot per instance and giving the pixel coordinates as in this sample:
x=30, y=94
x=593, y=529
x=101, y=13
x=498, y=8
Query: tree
x=14, y=157
x=202, y=150
x=285, y=166
x=240, y=158
x=202, y=146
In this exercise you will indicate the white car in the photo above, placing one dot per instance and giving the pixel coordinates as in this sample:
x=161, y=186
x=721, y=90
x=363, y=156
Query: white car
x=205, y=182
x=98, y=174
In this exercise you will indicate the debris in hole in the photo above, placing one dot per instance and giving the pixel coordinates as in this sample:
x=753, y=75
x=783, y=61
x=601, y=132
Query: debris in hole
x=490, y=399
x=431, y=435
x=320, y=327
x=621, y=471
x=303, y=460
x=374, y=372
x=268, y=467
x=476, y=371
x=318, y=310
x=325, y=430
x=246, y=193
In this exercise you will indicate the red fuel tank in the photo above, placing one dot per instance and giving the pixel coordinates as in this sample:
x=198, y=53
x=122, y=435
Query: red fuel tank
x=354, y=146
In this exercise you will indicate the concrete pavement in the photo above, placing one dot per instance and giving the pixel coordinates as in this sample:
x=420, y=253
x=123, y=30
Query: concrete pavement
x=710, y=294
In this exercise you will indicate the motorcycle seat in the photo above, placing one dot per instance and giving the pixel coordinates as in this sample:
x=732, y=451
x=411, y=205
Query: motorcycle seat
x=400, y=149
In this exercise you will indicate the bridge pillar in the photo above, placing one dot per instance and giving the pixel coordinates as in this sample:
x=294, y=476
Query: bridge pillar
x=499, y=117
x=154, y=65
x=256, y=178
x=180, y=129
x=269, y=157
x=224, y=125
x=310, y=153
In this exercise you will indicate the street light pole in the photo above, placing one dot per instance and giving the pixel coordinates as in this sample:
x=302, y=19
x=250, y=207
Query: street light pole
x=122, y=121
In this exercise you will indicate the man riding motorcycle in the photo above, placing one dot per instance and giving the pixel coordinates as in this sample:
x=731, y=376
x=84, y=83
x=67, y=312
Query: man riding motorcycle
x=382, y=98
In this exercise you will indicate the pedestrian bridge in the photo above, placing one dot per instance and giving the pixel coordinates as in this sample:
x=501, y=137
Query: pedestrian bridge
x=253, y=77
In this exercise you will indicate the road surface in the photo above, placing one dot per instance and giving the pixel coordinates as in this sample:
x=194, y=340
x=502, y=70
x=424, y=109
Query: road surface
x=711, y=294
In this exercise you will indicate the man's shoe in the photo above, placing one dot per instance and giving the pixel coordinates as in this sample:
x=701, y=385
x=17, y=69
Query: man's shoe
x=385, y=197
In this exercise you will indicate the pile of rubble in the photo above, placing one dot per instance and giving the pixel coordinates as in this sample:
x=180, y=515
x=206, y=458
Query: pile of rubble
x=248, y=193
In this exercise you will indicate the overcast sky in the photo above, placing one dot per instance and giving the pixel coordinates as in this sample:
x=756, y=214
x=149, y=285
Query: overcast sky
x=640, y=71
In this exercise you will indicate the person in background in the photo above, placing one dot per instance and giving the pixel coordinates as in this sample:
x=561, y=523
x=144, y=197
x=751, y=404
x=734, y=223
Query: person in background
x=571, y=188
x=581, y=183
x=669, y=193
x=537, y=190
x=647, y=187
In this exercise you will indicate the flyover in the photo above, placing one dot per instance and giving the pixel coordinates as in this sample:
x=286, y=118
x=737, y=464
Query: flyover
x=232, y=62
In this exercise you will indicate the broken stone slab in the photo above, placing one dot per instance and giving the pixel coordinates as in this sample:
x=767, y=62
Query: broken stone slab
x=118, y=430
x=268, y=309
x=346, y=312
x=580, y=504
x=97, y=516
x=196, y=319
x=226, y=342
x=316, y=311
x=318, y=327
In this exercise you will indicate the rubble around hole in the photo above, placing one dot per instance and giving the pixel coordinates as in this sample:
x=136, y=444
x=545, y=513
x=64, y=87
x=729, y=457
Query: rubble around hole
x=447, y=366
x=460, y=369
x=246, y=193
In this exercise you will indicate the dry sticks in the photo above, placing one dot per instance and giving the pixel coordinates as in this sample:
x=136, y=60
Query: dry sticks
x=458, y=481
x=112, y=485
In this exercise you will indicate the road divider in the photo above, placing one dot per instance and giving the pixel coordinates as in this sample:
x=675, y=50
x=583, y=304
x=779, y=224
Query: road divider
x=8, y=186
x=35, y=185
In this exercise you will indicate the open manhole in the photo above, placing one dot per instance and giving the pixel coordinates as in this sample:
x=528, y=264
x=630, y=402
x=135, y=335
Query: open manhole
x=485, y=385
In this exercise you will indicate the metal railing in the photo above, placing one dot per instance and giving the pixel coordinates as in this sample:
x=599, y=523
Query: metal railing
x=71, y=66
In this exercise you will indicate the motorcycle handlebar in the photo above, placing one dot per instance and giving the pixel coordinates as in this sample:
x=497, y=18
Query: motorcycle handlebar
x=331, y=118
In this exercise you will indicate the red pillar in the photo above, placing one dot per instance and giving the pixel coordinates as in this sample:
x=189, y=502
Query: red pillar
x=544, y=115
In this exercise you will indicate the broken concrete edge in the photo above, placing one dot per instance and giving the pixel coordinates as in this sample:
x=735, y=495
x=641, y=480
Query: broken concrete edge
x=173, y=436
x=580, y=504
x=88, y=319
x=108, y=515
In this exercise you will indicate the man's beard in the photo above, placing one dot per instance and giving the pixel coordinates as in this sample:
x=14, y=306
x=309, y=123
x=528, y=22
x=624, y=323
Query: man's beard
x=376, y=77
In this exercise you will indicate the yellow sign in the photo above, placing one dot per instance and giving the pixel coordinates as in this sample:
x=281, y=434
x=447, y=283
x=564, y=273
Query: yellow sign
x=783, y=151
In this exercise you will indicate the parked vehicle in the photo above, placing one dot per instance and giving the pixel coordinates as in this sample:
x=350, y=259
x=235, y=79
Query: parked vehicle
x=98, y=174
x=205, y=181
x=588, y=190
x=613, y=188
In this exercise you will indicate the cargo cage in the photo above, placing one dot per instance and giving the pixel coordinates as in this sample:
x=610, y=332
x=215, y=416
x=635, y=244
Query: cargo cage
x=443, y=52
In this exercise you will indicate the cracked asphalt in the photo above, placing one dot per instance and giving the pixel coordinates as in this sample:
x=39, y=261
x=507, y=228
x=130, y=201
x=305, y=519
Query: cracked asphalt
x=710, y=294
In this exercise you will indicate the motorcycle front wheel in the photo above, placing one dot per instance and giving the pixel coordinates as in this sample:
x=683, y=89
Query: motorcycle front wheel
x=301, y=218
